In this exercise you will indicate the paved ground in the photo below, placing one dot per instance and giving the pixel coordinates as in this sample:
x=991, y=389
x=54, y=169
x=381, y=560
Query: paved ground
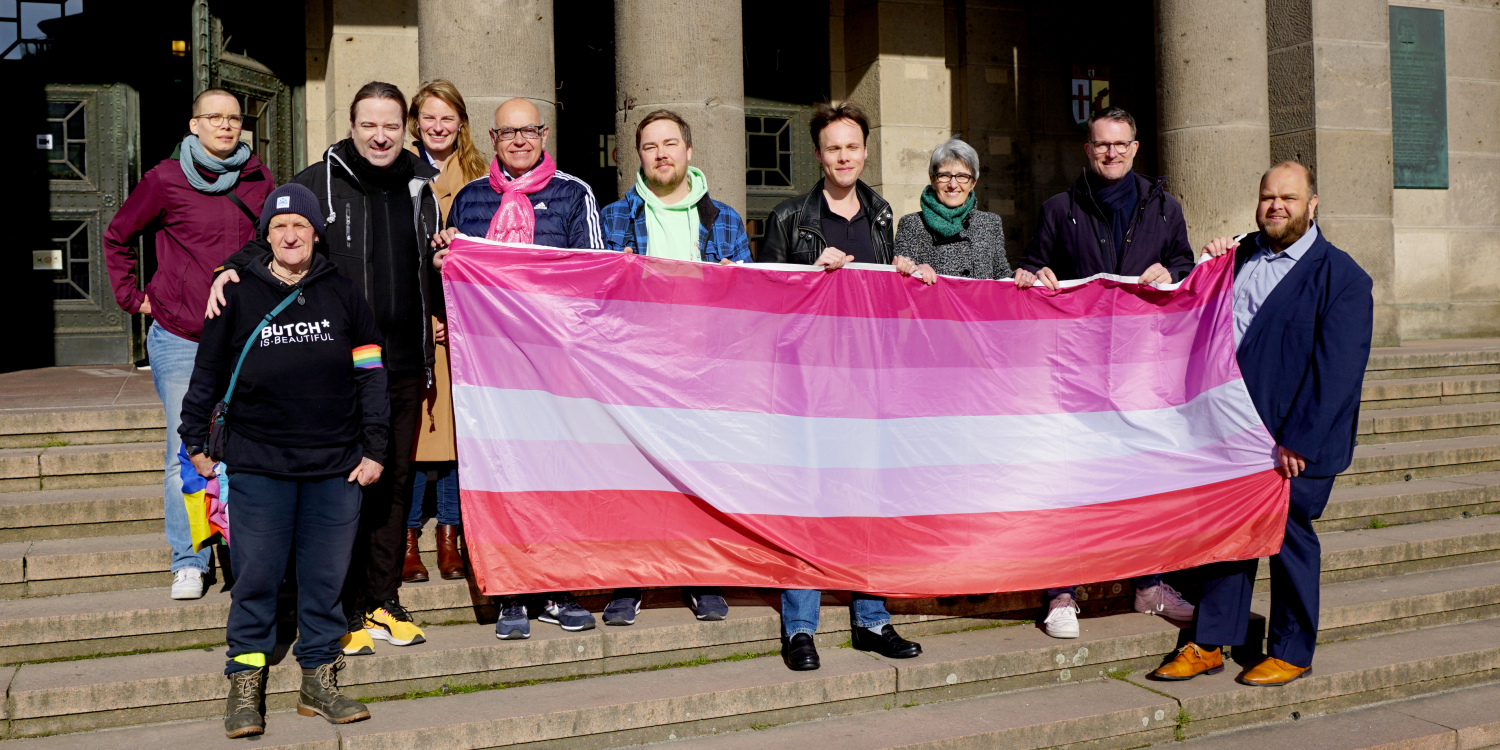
x=76, y=387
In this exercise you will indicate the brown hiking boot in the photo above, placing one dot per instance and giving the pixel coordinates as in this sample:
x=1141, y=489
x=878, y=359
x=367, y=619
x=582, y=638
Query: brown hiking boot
x=243, y=715
x=413, y=571
x=320, y=696
x=450, y=561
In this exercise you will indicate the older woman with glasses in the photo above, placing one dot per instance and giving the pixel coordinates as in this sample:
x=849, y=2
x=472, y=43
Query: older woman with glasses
x=949, y=236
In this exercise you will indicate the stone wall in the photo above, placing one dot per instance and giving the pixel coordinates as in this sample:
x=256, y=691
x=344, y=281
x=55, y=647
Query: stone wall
x=1447, y=242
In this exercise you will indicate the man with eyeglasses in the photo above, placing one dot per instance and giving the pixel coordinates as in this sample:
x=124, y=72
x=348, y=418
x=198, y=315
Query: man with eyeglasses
x=202, y=205
x=526, y=199
x=1112, y=221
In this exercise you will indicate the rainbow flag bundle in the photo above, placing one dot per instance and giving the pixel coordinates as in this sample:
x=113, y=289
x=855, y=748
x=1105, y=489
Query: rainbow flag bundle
x=626, y=420
x=207, y=511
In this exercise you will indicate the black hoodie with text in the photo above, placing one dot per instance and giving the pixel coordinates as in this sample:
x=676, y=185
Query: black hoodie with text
x=311, y=396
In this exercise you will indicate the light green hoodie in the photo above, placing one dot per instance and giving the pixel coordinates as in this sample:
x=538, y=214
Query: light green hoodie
x=672, y=231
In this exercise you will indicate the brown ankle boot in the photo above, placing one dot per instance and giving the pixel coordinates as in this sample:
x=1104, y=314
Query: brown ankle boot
x=450, y=562
x=413, y=570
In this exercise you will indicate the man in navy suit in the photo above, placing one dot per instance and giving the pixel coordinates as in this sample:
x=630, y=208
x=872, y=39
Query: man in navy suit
x=1303, y=313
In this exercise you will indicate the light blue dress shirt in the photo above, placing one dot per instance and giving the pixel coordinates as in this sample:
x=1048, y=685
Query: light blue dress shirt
x=1260, y=275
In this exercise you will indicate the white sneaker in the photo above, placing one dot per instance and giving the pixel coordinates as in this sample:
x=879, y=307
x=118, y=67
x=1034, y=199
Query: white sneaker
x=1062, y=620
x=1163, y=600
x=187, y=584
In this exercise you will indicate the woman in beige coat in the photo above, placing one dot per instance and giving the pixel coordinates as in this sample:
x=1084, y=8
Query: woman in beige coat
x=439, y=125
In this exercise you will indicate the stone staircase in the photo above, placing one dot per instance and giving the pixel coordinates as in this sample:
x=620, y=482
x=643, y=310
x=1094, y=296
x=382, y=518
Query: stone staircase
x=95, y=654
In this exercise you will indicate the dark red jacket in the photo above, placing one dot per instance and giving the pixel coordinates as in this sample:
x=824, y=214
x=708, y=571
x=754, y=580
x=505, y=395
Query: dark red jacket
x=195, y=232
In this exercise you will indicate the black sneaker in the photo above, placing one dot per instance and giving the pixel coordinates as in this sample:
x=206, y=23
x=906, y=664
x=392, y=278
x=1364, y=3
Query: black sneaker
x=513, y=624
x=707, y=604
x=562, y=610
x=623, y=608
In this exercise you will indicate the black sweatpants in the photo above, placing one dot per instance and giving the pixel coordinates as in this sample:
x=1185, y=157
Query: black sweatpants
x=271, y=518
x=380, y=547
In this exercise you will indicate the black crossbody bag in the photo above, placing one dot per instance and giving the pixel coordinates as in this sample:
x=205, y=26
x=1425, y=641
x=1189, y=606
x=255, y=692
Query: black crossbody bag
x=218, y=422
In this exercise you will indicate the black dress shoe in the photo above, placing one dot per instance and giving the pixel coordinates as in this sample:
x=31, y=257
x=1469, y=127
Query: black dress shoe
x=800, y=654
x=888, y=643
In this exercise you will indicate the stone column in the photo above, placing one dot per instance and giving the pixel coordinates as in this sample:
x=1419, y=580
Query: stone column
x=685, y=56
x=492, y=51
x=349, y=44
x=1212, y=105
x=896, y=67
x=1331, y=110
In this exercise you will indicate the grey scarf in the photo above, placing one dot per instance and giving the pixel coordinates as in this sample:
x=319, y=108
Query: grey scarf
x=228, y=170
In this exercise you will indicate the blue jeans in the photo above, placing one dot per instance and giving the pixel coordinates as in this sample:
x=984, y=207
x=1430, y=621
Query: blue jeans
x=1143, y=582
x=172, y=358
x=447, y=494
x=800, y=609
x=272, y=518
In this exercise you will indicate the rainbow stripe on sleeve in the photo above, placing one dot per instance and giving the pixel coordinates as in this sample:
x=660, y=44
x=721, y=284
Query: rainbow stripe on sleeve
x=367, y=357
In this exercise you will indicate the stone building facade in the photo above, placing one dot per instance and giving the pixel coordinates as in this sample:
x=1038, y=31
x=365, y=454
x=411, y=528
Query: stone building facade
x=1220, y=89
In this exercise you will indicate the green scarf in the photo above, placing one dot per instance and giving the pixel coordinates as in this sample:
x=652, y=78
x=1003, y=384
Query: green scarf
x=945, y=221
x=672, y=231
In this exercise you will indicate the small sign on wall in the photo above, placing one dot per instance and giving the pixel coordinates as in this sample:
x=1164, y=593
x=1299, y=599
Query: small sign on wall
x=44, y=142
x=46, y=260
x=1090, y=91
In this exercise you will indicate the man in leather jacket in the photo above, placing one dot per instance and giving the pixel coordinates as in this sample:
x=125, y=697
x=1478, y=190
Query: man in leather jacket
x=841, y=221
x=841, y=205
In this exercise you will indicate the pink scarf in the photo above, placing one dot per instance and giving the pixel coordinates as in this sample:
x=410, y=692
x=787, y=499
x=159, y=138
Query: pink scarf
x=516, y=219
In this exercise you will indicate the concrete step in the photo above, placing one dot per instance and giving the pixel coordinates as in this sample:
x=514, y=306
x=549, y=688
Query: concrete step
x=655, y=705
x=72, y=514
x=1346, y=674
x=115, y=621
x=1429, y=391
x=80, y=466
x=43, y=427
x=112, y=691
x=1375, y=505
x=1428, y=423
x=1466, y=719
x=1398, y=462
x=1398, y=550
x=1417, y=359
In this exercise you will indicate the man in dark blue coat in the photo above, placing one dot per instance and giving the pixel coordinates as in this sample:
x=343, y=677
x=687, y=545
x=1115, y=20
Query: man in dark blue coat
x=1303, y=313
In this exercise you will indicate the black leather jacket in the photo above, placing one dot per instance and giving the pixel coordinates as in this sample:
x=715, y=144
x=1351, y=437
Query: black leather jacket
x=794, y=231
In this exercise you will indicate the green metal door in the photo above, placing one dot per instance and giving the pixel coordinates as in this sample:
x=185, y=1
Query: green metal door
x=92, y=161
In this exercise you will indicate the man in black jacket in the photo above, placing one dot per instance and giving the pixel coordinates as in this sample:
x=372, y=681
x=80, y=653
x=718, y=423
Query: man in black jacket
x=1111, y=221
x=841, y=221
x=381, y=217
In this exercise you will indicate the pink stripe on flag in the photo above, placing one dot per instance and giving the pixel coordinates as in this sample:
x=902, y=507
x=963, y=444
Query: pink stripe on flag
x=860, y=293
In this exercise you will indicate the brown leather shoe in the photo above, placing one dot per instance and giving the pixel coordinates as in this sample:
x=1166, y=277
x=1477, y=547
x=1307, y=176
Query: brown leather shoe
x=413, y=570
x=450, y=562
x=1272, y=672
x=1190, y=662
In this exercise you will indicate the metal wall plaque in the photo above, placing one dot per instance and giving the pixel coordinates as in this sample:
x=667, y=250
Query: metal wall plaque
x=1419, y=98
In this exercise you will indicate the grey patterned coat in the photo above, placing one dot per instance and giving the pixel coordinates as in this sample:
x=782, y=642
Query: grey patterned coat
x=977, y=252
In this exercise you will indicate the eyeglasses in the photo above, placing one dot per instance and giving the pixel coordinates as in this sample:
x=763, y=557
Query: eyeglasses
x=960, y=178
x=531, y=132
x=1103, y=147
x=216, y=119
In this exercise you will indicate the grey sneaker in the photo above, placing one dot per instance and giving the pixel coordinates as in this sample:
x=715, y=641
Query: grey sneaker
x=247, y=694
x=320, y=696
x=1163, y=600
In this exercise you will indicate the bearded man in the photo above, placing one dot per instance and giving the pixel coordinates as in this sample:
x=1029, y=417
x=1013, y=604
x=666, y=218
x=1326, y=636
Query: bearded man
x=1303, y=314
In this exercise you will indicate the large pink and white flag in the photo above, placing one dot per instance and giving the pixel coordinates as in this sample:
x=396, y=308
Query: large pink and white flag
x=633, y=421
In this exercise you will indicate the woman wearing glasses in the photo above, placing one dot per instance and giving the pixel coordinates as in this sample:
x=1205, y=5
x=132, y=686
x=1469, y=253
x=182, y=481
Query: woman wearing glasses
x=949, y=236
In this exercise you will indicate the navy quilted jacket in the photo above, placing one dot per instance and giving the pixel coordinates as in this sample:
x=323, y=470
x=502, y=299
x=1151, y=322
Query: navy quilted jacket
x=566, y=213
